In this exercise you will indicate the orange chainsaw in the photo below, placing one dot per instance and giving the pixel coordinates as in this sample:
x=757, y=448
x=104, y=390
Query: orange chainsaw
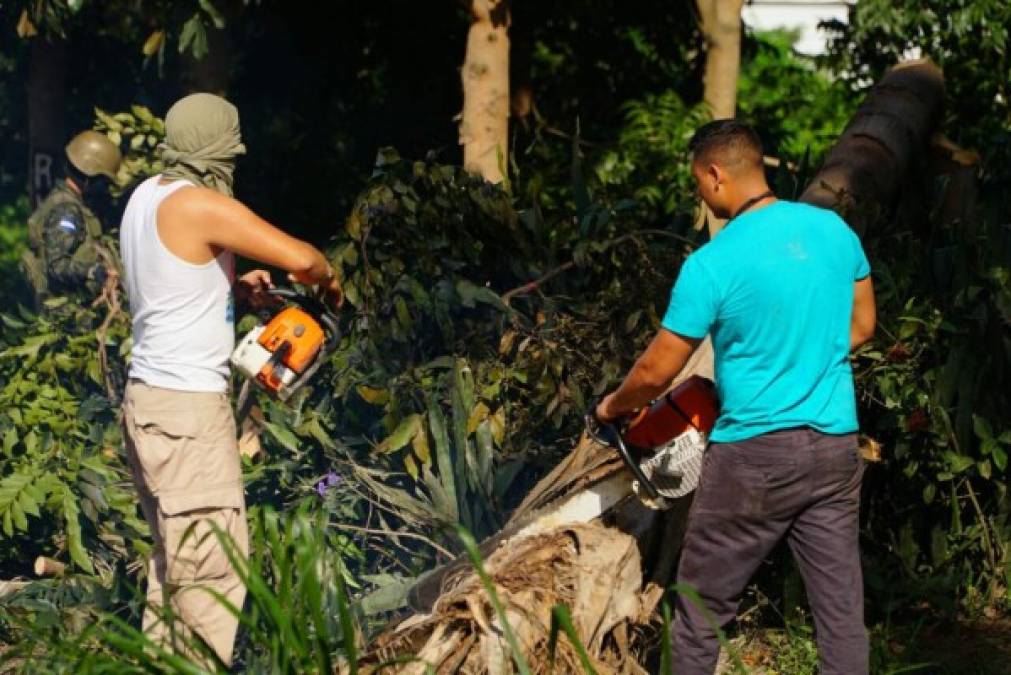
x=662, y=445
x=281, y=355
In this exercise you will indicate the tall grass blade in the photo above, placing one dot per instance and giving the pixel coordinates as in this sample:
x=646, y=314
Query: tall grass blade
x=561, y=619
x=666, y=650
x=475, y=559
x=693, y=597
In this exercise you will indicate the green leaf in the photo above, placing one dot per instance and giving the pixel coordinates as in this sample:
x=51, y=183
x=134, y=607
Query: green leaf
x=467, y=292
x=420, y=445
x=212, y=11
x=908, y=330
x=987, y=446
x=373, y=395
x=443, y=457
x=28, y=504
x=401, y=436
x=498, y=426
x=485, y=457
x=477, y=415
x=958, y=463
x=981, y=426
x=283, y=436
x=194, y=37
x=74, y=540
x=390, y=594
x=18, y=516
x=403, y=314
x=562, y=620
x=411, y=466
x=1000, y=458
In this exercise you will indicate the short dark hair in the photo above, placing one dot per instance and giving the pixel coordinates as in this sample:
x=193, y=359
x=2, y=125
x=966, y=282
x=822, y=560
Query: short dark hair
x=727, y=142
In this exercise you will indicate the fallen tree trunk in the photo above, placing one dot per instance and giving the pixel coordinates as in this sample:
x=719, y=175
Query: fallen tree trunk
x=890, y=131
x=611, y=572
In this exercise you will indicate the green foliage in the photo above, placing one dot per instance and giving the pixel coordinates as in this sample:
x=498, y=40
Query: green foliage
x=480, y=320
x=13, y=242
x=137, y=133
x=62, y=489
x=652, y=151
x=58, y=16
x=298, y=617
x=63, y=481
x=801, y=111
x=935, y=389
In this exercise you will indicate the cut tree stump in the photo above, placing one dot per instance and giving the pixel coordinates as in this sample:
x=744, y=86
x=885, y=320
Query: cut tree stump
x=612, y=572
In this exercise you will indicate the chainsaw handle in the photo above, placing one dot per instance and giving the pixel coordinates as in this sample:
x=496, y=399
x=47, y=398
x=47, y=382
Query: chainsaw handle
x=314, y=307
x=608, y=433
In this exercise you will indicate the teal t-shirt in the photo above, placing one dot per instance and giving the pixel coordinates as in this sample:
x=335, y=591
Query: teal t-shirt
x=775, y=290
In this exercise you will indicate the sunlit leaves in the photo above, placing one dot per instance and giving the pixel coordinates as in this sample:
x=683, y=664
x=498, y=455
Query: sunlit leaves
x=138, y=133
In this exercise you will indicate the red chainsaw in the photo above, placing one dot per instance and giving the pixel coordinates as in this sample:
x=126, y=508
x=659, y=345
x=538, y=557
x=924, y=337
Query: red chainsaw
x=662, y=445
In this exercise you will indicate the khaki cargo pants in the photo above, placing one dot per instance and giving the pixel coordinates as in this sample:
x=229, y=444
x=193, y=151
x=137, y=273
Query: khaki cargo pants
x=182, y=451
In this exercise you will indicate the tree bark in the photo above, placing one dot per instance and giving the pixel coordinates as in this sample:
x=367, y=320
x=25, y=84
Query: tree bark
x=611, y=572
x=47, y=134
x=484, y=123
x=721, y=28
x=886, y=137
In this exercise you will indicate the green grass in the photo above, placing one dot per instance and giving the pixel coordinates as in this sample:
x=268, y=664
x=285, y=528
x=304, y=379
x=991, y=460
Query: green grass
x=298, y=616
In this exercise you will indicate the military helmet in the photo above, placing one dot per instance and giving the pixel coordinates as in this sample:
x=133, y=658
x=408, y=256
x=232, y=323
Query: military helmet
x=93, y=153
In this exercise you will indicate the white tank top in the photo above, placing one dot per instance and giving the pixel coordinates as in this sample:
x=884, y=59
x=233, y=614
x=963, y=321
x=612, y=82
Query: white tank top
x=183, y=313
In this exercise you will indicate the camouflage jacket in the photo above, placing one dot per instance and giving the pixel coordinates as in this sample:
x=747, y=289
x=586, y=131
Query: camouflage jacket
x=63, y=238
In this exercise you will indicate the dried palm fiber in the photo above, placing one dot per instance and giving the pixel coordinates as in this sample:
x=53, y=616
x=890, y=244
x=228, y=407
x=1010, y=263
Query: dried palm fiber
x=591, y=569
x=612, y=572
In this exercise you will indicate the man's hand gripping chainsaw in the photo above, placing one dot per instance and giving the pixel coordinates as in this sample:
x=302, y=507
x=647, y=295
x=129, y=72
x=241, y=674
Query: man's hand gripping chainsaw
x=281, y=355
x=662, y=445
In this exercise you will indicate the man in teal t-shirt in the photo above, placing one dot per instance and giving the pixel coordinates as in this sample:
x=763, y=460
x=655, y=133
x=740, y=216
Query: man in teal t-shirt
x=785, y=292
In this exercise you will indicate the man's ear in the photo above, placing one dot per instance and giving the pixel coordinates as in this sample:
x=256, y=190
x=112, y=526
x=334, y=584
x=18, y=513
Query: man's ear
x=715, y=176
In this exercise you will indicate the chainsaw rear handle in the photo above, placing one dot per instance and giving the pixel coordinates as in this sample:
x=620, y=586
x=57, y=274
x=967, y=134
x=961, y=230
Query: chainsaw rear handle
x=317, y=309
x=609, y=434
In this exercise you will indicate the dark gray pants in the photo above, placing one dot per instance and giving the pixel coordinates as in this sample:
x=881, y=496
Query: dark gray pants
x=796, y=483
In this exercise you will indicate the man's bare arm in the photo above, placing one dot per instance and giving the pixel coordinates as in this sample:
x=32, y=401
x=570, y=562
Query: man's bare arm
x=864, y=313
x=193, y=221
x=651, y=375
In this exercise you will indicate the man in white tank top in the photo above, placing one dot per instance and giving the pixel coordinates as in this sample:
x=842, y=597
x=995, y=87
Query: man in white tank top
x=180, y=233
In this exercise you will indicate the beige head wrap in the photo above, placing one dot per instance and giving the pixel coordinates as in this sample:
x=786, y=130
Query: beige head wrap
x=202, y=141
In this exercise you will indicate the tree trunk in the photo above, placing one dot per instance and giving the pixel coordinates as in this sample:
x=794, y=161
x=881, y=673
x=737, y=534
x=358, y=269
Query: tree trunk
x=484, y=123
x=886, y=137
x=721, y=28
x=47, y=135
x=612, y=572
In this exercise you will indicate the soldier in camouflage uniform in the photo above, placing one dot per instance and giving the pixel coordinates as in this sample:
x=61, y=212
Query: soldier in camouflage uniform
x=63, y=233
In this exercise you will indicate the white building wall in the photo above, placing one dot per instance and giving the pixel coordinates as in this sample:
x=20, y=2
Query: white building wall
x=796, y=14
